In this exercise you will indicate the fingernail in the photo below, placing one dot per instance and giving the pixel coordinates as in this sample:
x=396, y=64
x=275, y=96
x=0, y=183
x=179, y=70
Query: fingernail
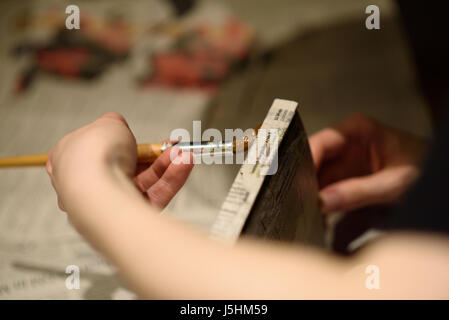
x=330, y=200
x=183, y=158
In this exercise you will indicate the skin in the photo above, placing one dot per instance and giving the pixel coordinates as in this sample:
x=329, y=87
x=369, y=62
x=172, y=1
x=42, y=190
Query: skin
x=362, y=162
x=93, y=171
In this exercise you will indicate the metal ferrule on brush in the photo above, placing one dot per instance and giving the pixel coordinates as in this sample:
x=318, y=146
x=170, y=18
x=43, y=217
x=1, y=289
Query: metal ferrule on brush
x=202, y=147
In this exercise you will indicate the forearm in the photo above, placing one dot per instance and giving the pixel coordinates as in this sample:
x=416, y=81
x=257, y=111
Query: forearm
x=150, y=251
x=160, y=258
x=114, y=217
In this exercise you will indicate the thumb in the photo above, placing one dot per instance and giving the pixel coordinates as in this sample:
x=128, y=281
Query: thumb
x=381, y=187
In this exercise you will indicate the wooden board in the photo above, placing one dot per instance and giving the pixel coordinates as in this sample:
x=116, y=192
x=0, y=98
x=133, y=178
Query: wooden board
x=281, y=206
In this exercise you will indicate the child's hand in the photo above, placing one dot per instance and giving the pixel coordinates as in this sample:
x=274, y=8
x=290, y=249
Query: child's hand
x=361, y=162
x=105, y=152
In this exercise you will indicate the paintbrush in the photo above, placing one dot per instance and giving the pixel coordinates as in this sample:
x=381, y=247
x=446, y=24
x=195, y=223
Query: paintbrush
x=148, y=152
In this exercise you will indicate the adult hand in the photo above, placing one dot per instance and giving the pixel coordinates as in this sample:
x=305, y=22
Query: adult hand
x=361, y=162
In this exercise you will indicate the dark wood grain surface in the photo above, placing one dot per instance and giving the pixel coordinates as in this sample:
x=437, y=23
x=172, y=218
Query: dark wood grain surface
x=286, y=207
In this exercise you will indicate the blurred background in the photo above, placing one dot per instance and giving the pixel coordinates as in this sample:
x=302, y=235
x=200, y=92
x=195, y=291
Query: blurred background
x=164, y=64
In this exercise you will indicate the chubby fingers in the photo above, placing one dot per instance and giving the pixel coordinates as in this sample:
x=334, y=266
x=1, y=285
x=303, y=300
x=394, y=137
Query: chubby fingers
x=163, y=179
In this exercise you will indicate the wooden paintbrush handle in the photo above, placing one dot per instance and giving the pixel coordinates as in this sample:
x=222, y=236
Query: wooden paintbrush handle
x=24, y=161
x=147, y=153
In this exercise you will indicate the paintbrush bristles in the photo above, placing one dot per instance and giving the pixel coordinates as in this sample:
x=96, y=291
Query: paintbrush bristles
x=245, y=142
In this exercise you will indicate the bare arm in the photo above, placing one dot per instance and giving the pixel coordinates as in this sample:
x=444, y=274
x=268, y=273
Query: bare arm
x=160, y=258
